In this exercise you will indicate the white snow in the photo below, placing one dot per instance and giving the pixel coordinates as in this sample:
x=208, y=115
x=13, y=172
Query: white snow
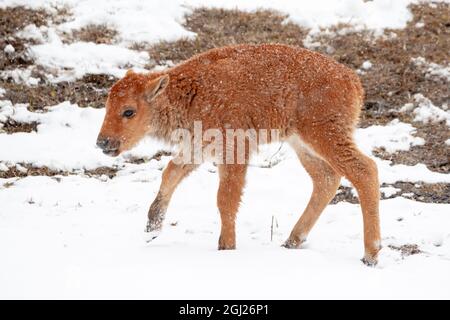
x=75, y=60
x=9, y=49
x=447, y=142
x=395, y=136
x=21, y=168
x=2, y=92
x=61, y=124
x=31, y=32
x=433, y=69
x=135, y=20
x=407, y=107
x=85, y=57
x=389, y=191
x=419, y=24
x=366, y=65
x=67, y=62
x=84, y=239
x=427, y=112
x=20, y=76
x=389, y=173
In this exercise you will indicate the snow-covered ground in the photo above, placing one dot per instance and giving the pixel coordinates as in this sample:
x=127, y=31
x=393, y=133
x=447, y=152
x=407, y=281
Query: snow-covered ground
x=82, y=237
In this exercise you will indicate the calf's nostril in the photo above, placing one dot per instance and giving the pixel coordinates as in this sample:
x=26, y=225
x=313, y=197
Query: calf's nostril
x=106, y=143
x=102, y=142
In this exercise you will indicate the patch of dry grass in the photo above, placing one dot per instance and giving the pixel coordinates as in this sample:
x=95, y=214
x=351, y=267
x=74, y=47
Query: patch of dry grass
x=93, y=33
x=423, y=192
x=24, y=170
x=406, y=249
x=344, y=194
x=13, y=20
x=157, y=156
x=220, y=27
x=91, y=90
x=394, y=78
x=12, y=126
x=435, y=154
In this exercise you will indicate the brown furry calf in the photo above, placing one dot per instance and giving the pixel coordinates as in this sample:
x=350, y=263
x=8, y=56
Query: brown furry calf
x=313, y=101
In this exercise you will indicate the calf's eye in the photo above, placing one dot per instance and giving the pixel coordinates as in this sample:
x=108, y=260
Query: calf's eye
x=128, y=113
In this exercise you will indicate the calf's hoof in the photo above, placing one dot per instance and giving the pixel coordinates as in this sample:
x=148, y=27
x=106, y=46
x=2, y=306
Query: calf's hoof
x=226, y=245
x=292, y=243
x=151, y=233
x=371, y=255
x=369, y=261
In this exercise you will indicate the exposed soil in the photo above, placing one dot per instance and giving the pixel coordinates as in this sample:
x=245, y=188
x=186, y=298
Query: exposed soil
x=394, y=78
x=423, y=192
x=435, y=154
x=157, y=156
x=93, y=33
x=11, y=126
x=24, y=170
x=344, y=194
x=220, y=27
x=91, y=90
x=107, y=171
x=11, y=21
x=14, y=19
x=406, y=249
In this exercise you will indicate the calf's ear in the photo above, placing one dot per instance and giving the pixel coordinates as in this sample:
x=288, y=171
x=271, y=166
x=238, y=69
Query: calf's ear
x=155, y=87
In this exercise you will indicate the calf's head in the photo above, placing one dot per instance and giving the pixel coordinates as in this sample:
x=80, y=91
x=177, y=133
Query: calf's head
x=129, y=107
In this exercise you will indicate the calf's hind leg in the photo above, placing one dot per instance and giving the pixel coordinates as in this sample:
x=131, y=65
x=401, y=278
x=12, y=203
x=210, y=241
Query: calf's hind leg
x=171, y=178
x=343, y=155
x=325, y=183
x=362, y=172
x=232, y=181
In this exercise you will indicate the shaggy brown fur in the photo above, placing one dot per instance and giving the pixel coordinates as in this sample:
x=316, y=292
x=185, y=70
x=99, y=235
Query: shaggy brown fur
x=311, y=99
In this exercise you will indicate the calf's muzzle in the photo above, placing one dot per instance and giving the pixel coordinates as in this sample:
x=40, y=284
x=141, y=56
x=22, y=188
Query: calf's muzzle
x=110, y=146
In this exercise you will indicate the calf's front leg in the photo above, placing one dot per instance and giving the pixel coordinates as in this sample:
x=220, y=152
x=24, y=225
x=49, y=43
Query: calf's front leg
x=171, y=178
x=232, y=181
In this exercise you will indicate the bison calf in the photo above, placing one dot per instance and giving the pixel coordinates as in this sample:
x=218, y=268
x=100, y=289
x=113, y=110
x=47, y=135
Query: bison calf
x=312, y=101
